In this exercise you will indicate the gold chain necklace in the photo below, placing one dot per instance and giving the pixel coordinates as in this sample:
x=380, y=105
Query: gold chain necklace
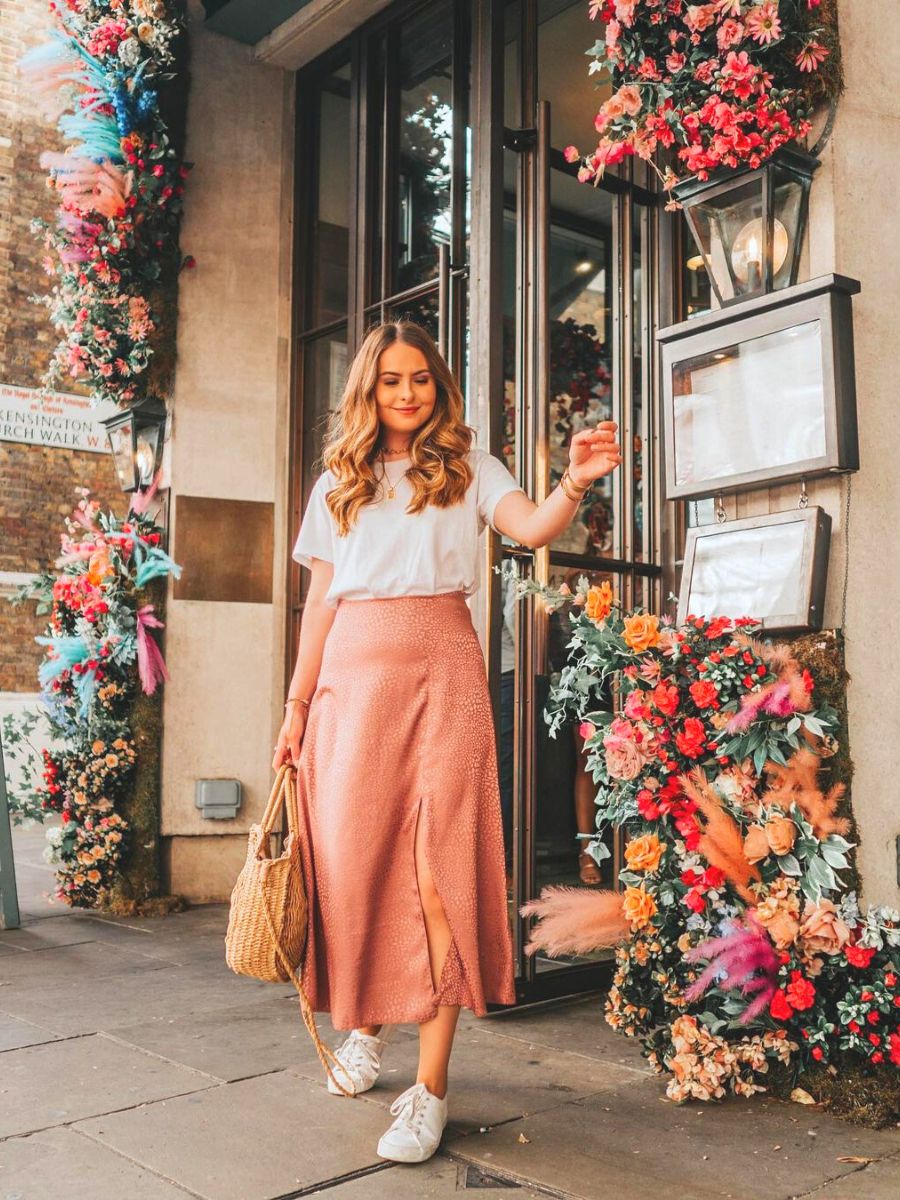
x=391, y=492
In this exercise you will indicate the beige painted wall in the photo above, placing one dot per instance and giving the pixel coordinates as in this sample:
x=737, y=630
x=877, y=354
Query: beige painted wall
x=230, y=418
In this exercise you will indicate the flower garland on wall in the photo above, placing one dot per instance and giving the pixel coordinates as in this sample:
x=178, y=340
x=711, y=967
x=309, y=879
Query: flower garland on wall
x=120, y=184
x=99, y=648
x=722, y=84
x=738, y=939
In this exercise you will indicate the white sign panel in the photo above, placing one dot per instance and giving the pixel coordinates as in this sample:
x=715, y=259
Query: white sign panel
x=57, y=419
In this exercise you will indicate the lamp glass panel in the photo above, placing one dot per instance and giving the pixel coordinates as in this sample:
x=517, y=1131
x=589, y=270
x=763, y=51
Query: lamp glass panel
x=750, y=572
x=121, y=441
x=756, y=405
x=717, y=222
x=145, y=453
x=789, y=192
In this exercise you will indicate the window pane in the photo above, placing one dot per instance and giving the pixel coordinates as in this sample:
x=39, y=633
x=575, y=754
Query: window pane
x=423, y=310
x=330, y=235
x=324, y=376
x=425, y=142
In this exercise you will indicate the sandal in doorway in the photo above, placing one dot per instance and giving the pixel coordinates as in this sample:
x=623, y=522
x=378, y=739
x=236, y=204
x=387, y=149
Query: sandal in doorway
x=588, y=871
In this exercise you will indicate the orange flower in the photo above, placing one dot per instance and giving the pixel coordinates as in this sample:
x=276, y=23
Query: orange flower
x=641, y=631
x=93, y=876
x=639, y=906
x=644, y=853
x=99, y=567
x=822, y=930
x=780, y=834
x=599, y=602
x=756, y=844
x=98, y=747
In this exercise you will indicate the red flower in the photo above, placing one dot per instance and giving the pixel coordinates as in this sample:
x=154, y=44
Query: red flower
x=779, y=1007
x=691, y=739
x=666, y=698
x=894, y=1049
x=873, y=1017
x=704, y=693
x=877, y=1057
x=695, y=900
x=713, y=877
x=859, y=956
x=853, y=1026
x=890, y=979
x=800, y=992
x=875, y=1039
x=818, y=1053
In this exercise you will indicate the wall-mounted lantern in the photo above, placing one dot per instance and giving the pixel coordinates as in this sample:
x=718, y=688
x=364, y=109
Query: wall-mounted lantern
x=136, y=440
x=749, y=224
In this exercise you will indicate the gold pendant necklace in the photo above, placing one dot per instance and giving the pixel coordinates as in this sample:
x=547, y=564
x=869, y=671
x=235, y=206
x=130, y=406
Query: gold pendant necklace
x=391, y=492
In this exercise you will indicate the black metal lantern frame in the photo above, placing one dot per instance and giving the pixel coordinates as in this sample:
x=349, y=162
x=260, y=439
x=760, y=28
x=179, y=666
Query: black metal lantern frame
x=749, y=224
x=136, y=438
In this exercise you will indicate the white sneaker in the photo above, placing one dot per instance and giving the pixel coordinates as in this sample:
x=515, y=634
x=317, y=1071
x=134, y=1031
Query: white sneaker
x=416, y=1133
x=359, y=1059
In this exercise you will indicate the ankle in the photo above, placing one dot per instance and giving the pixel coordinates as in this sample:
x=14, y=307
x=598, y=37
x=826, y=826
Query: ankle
x=370, y=1030
x=437, y=1087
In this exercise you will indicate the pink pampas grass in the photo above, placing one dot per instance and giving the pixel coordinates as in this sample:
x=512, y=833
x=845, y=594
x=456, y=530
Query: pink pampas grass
x=575, y=920
x=747, y=961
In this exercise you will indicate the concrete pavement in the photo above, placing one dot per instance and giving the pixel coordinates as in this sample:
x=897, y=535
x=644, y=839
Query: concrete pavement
x=135, y=1066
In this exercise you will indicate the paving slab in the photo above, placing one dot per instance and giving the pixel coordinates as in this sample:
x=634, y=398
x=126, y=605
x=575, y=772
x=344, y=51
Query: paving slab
x=879, y=1180
x=60, y=1162
x=576, y=1026
x=87, y=960
x=495, y=1079
x=157, y=992
x=61, y=1082
x=15, y=1033
x=251, y=1140
x=439, y=1178
x=45, y=933
x=238, y=1042
x=634, y=1145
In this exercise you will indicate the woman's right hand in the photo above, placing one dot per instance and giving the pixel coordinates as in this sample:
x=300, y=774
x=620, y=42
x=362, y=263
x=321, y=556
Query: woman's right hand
x=290, y=736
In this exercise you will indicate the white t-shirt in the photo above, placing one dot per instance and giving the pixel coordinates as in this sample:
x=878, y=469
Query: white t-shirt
x=390, y=552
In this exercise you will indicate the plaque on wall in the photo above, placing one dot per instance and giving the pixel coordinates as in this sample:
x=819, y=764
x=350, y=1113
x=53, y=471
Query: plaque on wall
x=225, y=548
x=772, y=567
x=762, y=393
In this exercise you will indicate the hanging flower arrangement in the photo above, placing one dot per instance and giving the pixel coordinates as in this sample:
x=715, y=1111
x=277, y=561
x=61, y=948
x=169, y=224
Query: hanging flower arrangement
x=723, y=84
x=120, y=185
x=738, y=939
x=100, y=649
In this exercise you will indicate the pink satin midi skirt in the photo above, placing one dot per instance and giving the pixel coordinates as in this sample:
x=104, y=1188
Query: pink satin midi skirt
x=400, y=729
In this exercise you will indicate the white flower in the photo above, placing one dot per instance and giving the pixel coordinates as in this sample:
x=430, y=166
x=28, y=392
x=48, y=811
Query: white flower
x=130, y=52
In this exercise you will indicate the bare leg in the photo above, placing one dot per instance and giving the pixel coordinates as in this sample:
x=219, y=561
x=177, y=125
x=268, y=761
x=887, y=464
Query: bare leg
x=436, y=1035
x=585, y=810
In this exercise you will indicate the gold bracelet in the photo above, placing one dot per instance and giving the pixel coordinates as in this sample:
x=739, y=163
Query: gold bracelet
x=568, y=474
x=295, y=700
x=577, y=498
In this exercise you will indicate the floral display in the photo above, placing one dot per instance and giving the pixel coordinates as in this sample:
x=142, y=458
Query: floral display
x=739, y=940
x=99, y=651
x=120, y=184
x=722, y=84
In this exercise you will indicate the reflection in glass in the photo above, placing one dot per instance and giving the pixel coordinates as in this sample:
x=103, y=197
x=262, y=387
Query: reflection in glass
x=696, y=289
x=324, y=377
x=753, y=406
x=426, y=142
x=566, y=791
x=581, y=351
x=330, y=240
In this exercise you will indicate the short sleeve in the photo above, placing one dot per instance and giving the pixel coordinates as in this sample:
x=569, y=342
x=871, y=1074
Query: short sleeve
x=316, y=536
x=494, y=480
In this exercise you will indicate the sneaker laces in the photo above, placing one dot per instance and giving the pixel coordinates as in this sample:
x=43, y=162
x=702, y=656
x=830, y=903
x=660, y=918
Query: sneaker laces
x=410, y=1106
x=357, y=1053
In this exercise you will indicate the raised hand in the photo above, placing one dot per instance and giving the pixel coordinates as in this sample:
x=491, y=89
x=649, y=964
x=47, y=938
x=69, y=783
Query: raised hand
x=594, y=453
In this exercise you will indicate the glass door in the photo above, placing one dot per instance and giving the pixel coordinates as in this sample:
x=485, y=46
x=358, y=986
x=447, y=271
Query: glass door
x=576, y=350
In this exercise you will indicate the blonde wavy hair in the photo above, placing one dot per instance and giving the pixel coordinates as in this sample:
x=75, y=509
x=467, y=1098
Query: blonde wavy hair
x=438, y=470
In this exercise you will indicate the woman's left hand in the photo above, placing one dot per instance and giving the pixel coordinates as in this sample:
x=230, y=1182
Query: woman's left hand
x=594, y=453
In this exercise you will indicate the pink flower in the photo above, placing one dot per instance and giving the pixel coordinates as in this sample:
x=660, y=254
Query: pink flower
x=624, y=759
x=674, y=62
x=586, y=730
x=625, y=11
x=570, y=154
x=811, y=56
x=763, y=23
x=630, y=97
x=699, y=17
x=728, y=34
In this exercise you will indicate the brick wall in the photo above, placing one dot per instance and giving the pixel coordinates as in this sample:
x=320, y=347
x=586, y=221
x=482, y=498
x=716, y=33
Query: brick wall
x=37, y=484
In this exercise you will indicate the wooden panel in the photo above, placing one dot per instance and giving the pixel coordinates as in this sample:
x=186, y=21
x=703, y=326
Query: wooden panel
x=225, y=548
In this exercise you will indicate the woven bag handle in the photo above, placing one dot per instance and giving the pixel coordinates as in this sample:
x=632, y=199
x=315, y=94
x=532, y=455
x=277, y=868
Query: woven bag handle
x=271, y=808
x=309, y=1019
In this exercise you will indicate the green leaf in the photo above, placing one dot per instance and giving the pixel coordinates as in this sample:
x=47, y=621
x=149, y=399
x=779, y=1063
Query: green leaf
x=789, y=865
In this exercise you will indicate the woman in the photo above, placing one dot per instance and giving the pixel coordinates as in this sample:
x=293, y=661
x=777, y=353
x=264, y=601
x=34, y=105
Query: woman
x=397, y=783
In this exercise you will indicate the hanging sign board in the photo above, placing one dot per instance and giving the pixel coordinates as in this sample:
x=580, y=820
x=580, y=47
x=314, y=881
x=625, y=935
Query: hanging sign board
x=57, y=419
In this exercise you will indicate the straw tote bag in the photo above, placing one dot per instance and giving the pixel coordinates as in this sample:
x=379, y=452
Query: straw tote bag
x=267, y=920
